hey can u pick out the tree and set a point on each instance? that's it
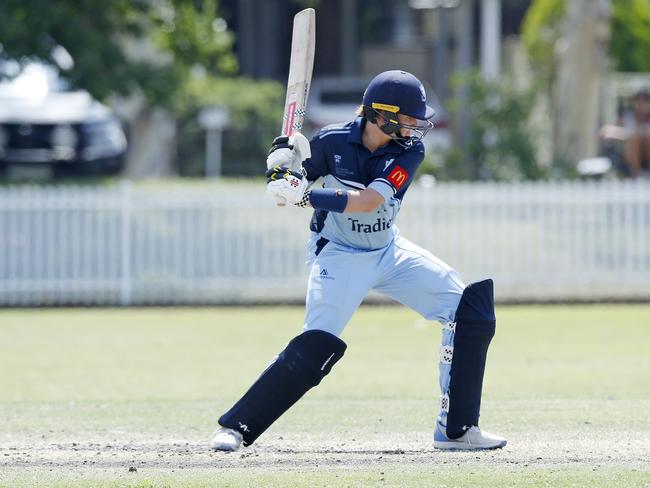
(540, 32)
(630, 34)
(501, 145)
(581, 66)
(119, 46)
(575, 74)
(174, 55)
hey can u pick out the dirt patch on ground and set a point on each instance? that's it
(289, 454)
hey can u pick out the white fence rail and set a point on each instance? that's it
(172, 244)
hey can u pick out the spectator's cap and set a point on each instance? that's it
(642, 94)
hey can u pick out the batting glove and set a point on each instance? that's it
(289, 152)
(281, 153)
(286, 184)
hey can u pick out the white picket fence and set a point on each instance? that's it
(227, 243)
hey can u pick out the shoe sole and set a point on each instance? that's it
(458, 446)
(223, 448)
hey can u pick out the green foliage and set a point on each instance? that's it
(372, 27)
(178, 53)
(445, 166)
(540, 30)
(630, 42)
(630, 34)
(119, 46)
(501, 146)
(309, 3)
(255, 117)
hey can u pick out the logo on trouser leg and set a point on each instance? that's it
(324, 274)
(244, 427)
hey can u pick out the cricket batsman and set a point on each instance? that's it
(366, 167)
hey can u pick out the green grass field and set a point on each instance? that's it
(129, 397)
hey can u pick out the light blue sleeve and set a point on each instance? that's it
(383, 188)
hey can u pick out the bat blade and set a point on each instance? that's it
(301, 66)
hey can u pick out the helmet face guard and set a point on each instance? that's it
(392, 127)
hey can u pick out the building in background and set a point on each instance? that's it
(358, 38)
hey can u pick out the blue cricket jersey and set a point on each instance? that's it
(339, 157)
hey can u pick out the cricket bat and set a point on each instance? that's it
(301, 66)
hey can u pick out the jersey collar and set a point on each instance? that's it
(356, 129)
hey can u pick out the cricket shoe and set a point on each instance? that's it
(226, 439)
(472, 440)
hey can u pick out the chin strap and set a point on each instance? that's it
(405, 142)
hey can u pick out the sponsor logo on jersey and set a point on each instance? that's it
(398, 177)
(341, 170)
(388, 163)
(377, 226)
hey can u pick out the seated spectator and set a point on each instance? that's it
(633, 130)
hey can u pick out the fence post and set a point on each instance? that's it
(125, 201)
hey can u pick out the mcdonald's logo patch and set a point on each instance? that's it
(398, 177)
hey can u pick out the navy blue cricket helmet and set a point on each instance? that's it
(396, 89)
(397, 92)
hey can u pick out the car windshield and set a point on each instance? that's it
(34, 81)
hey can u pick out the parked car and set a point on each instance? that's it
(46, 126)
(335, 100)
